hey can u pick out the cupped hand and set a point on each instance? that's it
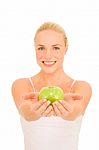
(39, 108)
(64, 108)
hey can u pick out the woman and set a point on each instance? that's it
(51, 126)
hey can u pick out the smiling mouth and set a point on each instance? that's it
(48, 63)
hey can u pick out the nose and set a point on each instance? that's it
(48, 54)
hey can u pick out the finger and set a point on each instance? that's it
(51, 113)
(30, 95)
(56, 110)
(47, 111)
(38, 104)
(66, 105)
(61, 108)
(43, 107)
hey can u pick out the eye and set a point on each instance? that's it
(56, 48)
(41, 48)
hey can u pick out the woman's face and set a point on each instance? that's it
(50, 50)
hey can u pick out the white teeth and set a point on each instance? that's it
(49, 63)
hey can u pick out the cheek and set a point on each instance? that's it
(60, 55)
(39, 56)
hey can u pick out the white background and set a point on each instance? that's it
(18, 23)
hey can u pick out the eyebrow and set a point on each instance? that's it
(40, 45)
(52, 45)
(57, 45)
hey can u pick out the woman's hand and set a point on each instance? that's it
(34, 109)
(69, 108)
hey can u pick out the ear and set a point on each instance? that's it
(66, 48)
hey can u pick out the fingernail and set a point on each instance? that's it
(44, 100)
(56, 102)
(48, 102)
(60, 101)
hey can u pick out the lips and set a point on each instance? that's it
(49, 63)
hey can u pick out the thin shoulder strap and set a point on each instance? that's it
(72, 85)
(32, 84)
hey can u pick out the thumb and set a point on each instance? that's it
(30, 95)
(76, 96)
(73, 96)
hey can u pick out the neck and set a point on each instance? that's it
(55, 78)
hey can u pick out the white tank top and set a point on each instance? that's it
(51, 133)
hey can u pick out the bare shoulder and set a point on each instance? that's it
(83, 86)
(19, 87)
(20, 83)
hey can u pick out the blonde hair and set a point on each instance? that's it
(54, 27)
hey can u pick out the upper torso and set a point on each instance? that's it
(51, 133)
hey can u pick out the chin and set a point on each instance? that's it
(49, 71)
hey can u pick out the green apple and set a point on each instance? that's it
(51, 93)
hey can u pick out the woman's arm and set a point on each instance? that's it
(27, 102)
(75, 103)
